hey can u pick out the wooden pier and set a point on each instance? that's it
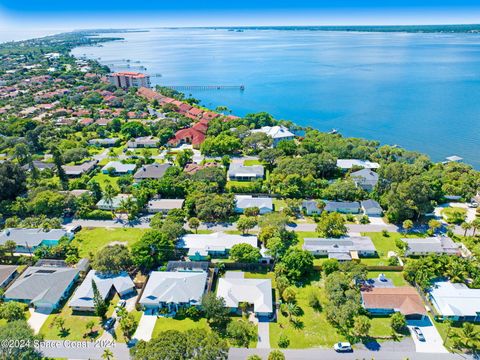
(205, 87)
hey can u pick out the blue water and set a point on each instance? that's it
(421, 91)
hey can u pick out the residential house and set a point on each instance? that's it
(455, 301)
(371, 208)
(277, 133)
(143, 142)
(104, 142)
(39, 165)
(153, 171)
(202, 246)
(79, 170)
(387, 300)
(242, 202)
(7, 274)
(164, 205)
(28, 240)
(366, 179)
(240, 172)
(173, 290)
(118, 168)
(342, 249)
(115, 204)
(107, 285)
(439, 245)
(347, 164)
(192, 168)
(42, 287)
(194, 135)
(344, 207)
(310, 207)
(236, 289)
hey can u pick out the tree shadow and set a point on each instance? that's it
(297, 324)
(63, 332)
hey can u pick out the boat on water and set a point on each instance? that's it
(333, 131)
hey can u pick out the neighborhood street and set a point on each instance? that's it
(82, 349)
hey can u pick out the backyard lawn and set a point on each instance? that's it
(102, 180)
(315, 330)
(90, 240)
(395, 276)
(305, 234)
(75, 324)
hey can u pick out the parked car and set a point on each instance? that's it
(121, 304)
(76, 229)
(418, 333)
(342, 347)
(109, 323)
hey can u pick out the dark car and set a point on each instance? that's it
(109, 323)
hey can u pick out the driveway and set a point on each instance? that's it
(433, 341)
(37, 319)
(263, 335)
(145, 327)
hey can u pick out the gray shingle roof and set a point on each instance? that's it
(370, 205)
(42, 285)
(335, 205)
(152, 171)
(83, 296)
(174, 287)
(435, 245)
(237, 170)
(30, 237)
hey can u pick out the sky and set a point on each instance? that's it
(52, 15)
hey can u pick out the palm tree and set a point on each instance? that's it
(107, 354)
(456, 272)
(467, 338)
(292, 309)
(108, 194)
(475, 225)
(466, 226)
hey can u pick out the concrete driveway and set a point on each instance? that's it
(433, 341)
(145, 327)
(263, 335)
(37, 319)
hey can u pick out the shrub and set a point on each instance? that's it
(283, 341)
(385, 233)
(364, 220)
(393, 261)
(398, 322)
(98, 215)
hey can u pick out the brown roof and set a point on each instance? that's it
(404, 299)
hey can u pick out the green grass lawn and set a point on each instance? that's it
(103, 179)
(279, 204)
(395, 276)
(164, 324)
(316, 330)
(456, 327)
(454, 215)
(75, 324)
(305, 234)
(90, 240)
(252, 162)
(380, 326)
(118, 331)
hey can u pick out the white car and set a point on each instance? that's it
(342, 347)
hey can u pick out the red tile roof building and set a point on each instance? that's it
(127, 79)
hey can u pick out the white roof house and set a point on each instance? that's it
(119, 168)
(235, 288)
(431, 245)
(82, 300)
(344, 248)
(456, 301)
(174, 287)
(164, 205)
(265, 204)
(346, 164)
(277, 133)
(241, 172)
(202, 245)
(115, 203)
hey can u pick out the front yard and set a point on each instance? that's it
(313, 330)
(90, 240)
(75, 326)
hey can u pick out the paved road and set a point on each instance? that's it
(82, 349)
(242, 354)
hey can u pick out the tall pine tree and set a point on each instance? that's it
(101, 306)
(57, 159)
